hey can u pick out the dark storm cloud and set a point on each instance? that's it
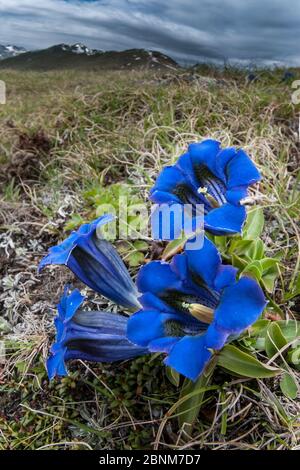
(262, 31)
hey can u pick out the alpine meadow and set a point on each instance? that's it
(75, 140)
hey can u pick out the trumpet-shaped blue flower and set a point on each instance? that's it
(192, 306)
(96, 263)
(215, 178)
(96, 336)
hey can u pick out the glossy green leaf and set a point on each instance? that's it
(189, 409)
(75, 221)
(239, 362)
(248, 250)
(240, 247)
(254, 269)
(274, 306)
(140, 245)
(174, 247)
(293, 357)
(259, 327)
(220, 242)
(277, 407)
(254, 224)
(136, 258)
(268, 263)
(264, 270)
(256, 335)
(173, 376)
(275, 339)
(238, 262)
(289, 386)
(290, 329)
(270, 271)
(257, 249)
(224, 408)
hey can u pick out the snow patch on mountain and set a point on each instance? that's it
(79, 48)
(10, 50)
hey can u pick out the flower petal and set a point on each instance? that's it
(226, 276)
(235, 195)
(150, 301)
(184, 163)
(56, 364)
(96, 263)
(210, 176)
(101, 335)
(225, 220)
(168, 179)
(66, 310)
(222, 159)
(147, 325)
(241, 171)
(93, 335)
(157, 277)
(163, 345)
(167, 220)
(102, 278)
(111, 260)
(205, 153)
(179, 266)
(189, 356)
(204, 262)
(215, 336)
(104, 349)
(60, 253)
(240, 305)
(164, 197)
(69, 304)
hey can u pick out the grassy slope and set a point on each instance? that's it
(63, 133)
(55, 58)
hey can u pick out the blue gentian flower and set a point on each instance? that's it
(96, 336)
(192, 306)
(96, 263)
(213, 177)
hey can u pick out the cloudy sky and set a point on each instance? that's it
(264, 31)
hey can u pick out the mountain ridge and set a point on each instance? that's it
(64, 56)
